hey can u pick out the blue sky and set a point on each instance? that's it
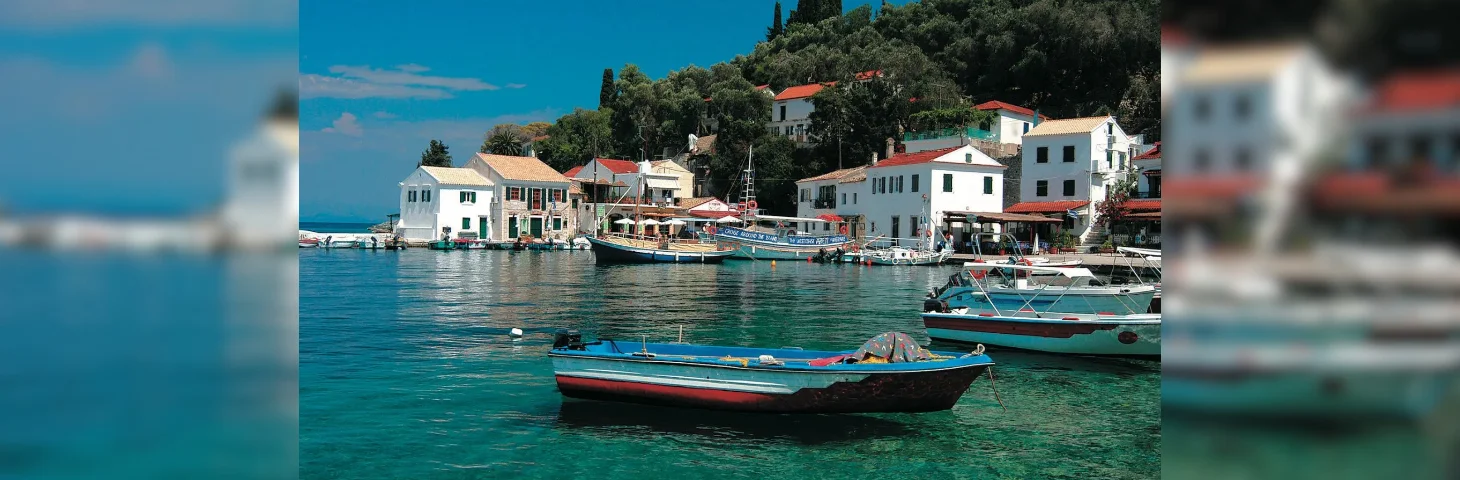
(379, 79)
(130, 107)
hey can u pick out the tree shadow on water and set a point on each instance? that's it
(612, 418)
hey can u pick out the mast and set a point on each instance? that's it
(749, 195)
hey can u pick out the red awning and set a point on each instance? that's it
(1059, 206)
(829, 217)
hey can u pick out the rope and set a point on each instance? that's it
(995, 385)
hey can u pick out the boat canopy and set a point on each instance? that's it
(774, 218)
(1145, 252)
(893, 347)
(1072, 272)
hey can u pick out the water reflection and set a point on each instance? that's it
(616, 419)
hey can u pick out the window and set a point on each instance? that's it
(844, 199)
(411, 196)
(1203, 108)
(947, 182)
(915, 183)
(1110, 128)
(1244, 107)
(557, 194)
(1041, 155)
(536, 198)
(988, 185)
(984, 125)
(514, 193)
(1069, 153)
(1110, 159)
(465, 223)
(854, 198)
(1201, 161)
(825, 226)
(426, 195)
(467, 197)
(1069, 188)
(783, 112)
(800, 128)
(575, 203)
(1026, 127)
(1041, 188)
(557, 223)
(804, 194)
(894, 226)
(899, 183)
(1243, 160)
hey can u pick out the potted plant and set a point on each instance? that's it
(1107, 247)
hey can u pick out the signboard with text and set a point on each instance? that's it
(790, 239)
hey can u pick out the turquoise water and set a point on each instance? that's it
(406, 371)
(336, 227)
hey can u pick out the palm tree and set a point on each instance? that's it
(503, 143)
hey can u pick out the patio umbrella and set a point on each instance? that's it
(675, 222)
(829, 217)
(624, 221)
(649, 221)
(728, 219)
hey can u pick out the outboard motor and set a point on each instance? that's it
(567, 338)
(931, 304)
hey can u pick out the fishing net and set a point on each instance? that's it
(892, 347)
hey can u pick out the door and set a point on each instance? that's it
(512, 228)
(895, 237)
(535, 227)
(482, 232)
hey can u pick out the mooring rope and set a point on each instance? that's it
(996, 389)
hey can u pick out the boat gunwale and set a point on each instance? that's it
(837, 368)
(1155, 318)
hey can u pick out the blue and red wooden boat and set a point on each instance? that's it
(891, 373)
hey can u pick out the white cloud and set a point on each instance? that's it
(346, 125)
(406, 138)
(401, 77)
(70, 14)
(385, 115)
(403, 81)
(320, 86)
(150, 62)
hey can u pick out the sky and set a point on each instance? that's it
(380, 79)
(118, 106)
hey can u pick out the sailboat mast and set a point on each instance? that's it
(749, 184)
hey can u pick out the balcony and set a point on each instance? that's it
(1156, 194)
(970, 132)
(824, 203)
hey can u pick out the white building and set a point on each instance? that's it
(1148, 166)
(1007, 127)
(1410, 117)
(262, 209)
(1258, 112)
(1067, 166)
(791, 108)
(905, 195)
(531, 198)
(437, 201)
(646, 184)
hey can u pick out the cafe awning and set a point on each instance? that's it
(997, 217)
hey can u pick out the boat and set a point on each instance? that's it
(444, 244)
(580, 243)
(309, 243)
(890, 373)
(777, 242)
(1035, 261)
(470, 244)
(1128, 336)
(332, 243)
(907, 256)
(395, 244)
(618, 248)
(1151, 262)
(999, 287)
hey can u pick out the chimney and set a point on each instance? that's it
(874, 159)
(890, 144)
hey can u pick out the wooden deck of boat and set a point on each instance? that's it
(678, 245)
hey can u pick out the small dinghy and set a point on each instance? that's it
(890, 373)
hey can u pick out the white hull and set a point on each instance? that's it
(1132, 336)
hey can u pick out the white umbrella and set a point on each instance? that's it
(676, 222)
(728, 219)
(649, 221)
(623, 221)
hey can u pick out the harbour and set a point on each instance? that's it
(407, 365)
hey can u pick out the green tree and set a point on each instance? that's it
(775, 29)
(504, 139)
(1113, 209)
(606, 91)
(535, 129)
(634, 118)
(435, 155)
(575, 138)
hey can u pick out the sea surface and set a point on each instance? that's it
(336, 227)
(406, 371)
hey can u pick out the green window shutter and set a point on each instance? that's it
(988, 185)
(465, 223)
(947, 182)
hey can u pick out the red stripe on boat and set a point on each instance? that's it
(1028, 329)
(636, 389)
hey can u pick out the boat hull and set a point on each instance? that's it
(609, 252)
(441, 245)
(1107, 337)
(749, 245)
(747, 388)
(935, 259)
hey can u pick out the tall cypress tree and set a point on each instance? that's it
(606, 92)
(776, 29)
(436, 155)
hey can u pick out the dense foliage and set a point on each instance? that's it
(435, 155)
(936, 59)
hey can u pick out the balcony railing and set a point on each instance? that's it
(970, 132)
(824, 203)
(1156, 194)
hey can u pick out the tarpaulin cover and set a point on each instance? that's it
(895, 347)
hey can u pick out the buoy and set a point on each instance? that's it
(773, 263)
(808, 259)
(515, 333)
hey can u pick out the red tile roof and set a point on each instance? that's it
(1191, 188)
(618, 166)
(1150, 154)
(1143, 204)
(1419, 90)
(997, 105)
(763, 87)
(1057, 206)
(919, 157)
(801, 91)
(867, 75)
(573, 171)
